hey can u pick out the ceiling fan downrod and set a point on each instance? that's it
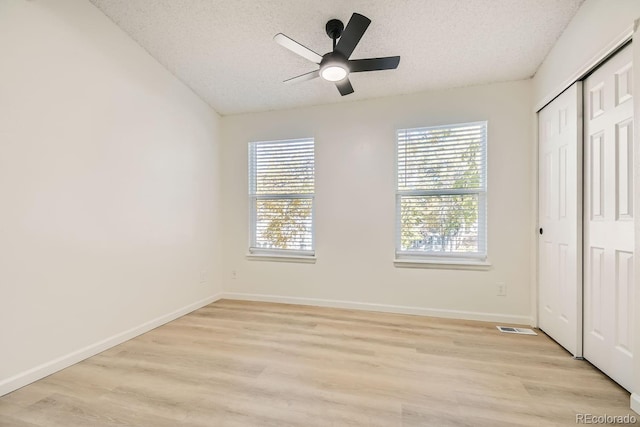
(334, 30)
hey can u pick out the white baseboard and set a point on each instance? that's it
(635, 402)
(399, 309)
(15, 382)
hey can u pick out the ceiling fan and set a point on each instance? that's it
(335, 66)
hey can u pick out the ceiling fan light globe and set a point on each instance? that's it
(333, 73)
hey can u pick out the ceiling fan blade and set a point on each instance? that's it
(374, 64)
(302, 77)
(297, 48)
(344, 86)
(352, 34)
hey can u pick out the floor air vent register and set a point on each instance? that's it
(521, 331)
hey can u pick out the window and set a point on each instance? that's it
(441, 192)
(281, 193)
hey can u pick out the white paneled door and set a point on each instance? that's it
(560, 219)
(608, 219)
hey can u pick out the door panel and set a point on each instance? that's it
(560, 218)
(608, 230)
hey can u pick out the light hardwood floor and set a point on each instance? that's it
(236, 363)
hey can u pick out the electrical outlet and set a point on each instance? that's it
(501, 289)
(234, 275)
(203, 276)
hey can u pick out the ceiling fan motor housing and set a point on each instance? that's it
(333, 58)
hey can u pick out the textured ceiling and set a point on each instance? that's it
(224, 49)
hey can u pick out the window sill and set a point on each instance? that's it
(443, 264)
(301, 259)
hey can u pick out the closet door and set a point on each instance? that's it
(608, 231)
(560, 219)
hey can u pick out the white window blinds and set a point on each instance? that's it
(441, 191)
(281, 193)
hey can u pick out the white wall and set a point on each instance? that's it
(355, 205)
(109, 188)
(598, 27)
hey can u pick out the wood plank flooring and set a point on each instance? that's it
(237, 363)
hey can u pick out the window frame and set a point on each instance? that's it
(415, 258)
(277, 254)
